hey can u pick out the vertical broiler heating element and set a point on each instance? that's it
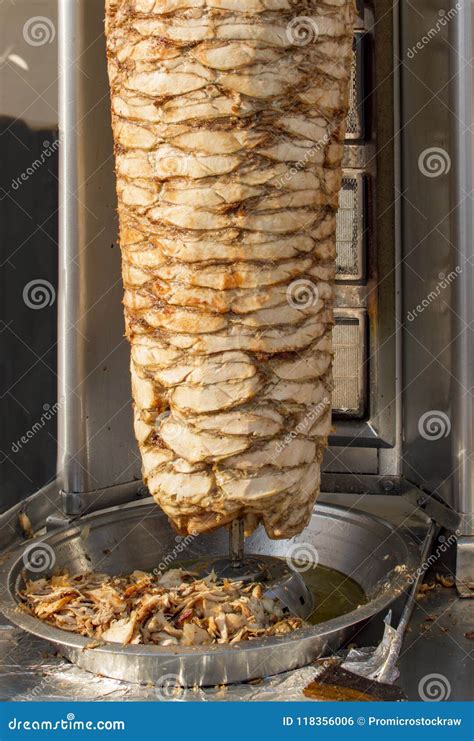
(228, 120)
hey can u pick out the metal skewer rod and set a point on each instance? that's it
(236, 542)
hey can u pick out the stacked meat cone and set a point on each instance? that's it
(228, 120)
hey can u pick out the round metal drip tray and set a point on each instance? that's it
(138, 536)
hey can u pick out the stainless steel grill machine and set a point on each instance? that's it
(404, 364)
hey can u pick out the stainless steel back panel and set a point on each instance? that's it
(366, 404)
(96, 443)
(438, 311)
(462, 444)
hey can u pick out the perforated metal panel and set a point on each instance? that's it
(350, 229)
(355, 118)
(349, 334)
(349, 342)
(366, 397)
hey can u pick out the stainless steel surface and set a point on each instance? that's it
(423, 234)
(465, 566)
(236, 541)
(118, 540)
(375, 421)
(278, 579)
(463, 350)
(435, 508)
(437, 217)
(76, 503)
(97, 448)
(289, 587)
(358, 460)
(38, 507)
(383, 268)
(430, 246)
(30, 670)
(399, 634)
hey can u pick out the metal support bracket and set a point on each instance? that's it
(433, 506)
(79, 503)
(439, 512)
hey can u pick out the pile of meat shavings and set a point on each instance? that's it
(172, 609)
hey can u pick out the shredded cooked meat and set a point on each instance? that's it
(172, 609)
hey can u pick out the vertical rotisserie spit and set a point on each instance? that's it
(228, 119)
